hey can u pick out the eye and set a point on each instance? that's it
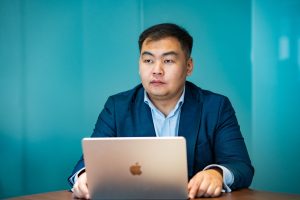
(169, 61)
(148, 61)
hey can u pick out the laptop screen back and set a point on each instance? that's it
(139, 167)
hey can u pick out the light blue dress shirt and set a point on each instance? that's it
(167, 126)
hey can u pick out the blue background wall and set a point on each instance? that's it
(60, 60)
(276, 94)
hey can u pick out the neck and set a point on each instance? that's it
(165, 105)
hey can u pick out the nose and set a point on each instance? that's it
(158, 69)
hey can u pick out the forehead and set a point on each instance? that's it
(164, 44)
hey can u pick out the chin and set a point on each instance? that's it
(158, 95)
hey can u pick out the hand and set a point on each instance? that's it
(207, 183)
(80, 189)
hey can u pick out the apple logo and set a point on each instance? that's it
(135, 169)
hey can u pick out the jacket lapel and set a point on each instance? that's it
(143, 118)
(190, 122)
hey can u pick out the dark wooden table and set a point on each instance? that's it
(245, 194)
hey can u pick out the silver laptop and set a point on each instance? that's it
(136, 167)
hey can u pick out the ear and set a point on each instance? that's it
(190, 66)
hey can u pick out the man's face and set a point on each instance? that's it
(163, 68)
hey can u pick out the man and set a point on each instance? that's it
(165, 104)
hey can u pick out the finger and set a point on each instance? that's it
(217, 192)
(203, 188)
(210, 191)
(74, 196)
(194, 184)
(193, 189)
(77, 192)
(83, 189)
(80, 188)
(190, 184)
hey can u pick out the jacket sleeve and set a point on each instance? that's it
(229, 147)
(106, 123)
(105, 127)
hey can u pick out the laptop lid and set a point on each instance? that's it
(136, 167)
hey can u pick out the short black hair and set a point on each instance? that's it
(164, 30)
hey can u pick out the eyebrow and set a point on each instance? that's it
(164, 54)
(172, 53)
(147, 53)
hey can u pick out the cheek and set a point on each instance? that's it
(144, 70)
(143, 73)
(178, 73)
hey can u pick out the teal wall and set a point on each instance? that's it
(60, 60)
(276, 95)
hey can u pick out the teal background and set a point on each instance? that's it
(60, 60)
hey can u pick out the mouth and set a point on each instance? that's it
(157, 82)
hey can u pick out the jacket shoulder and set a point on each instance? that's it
(204, 95)
(128, 96)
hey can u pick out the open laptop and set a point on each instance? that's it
(136, 167)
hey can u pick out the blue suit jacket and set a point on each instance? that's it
(207, 122)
